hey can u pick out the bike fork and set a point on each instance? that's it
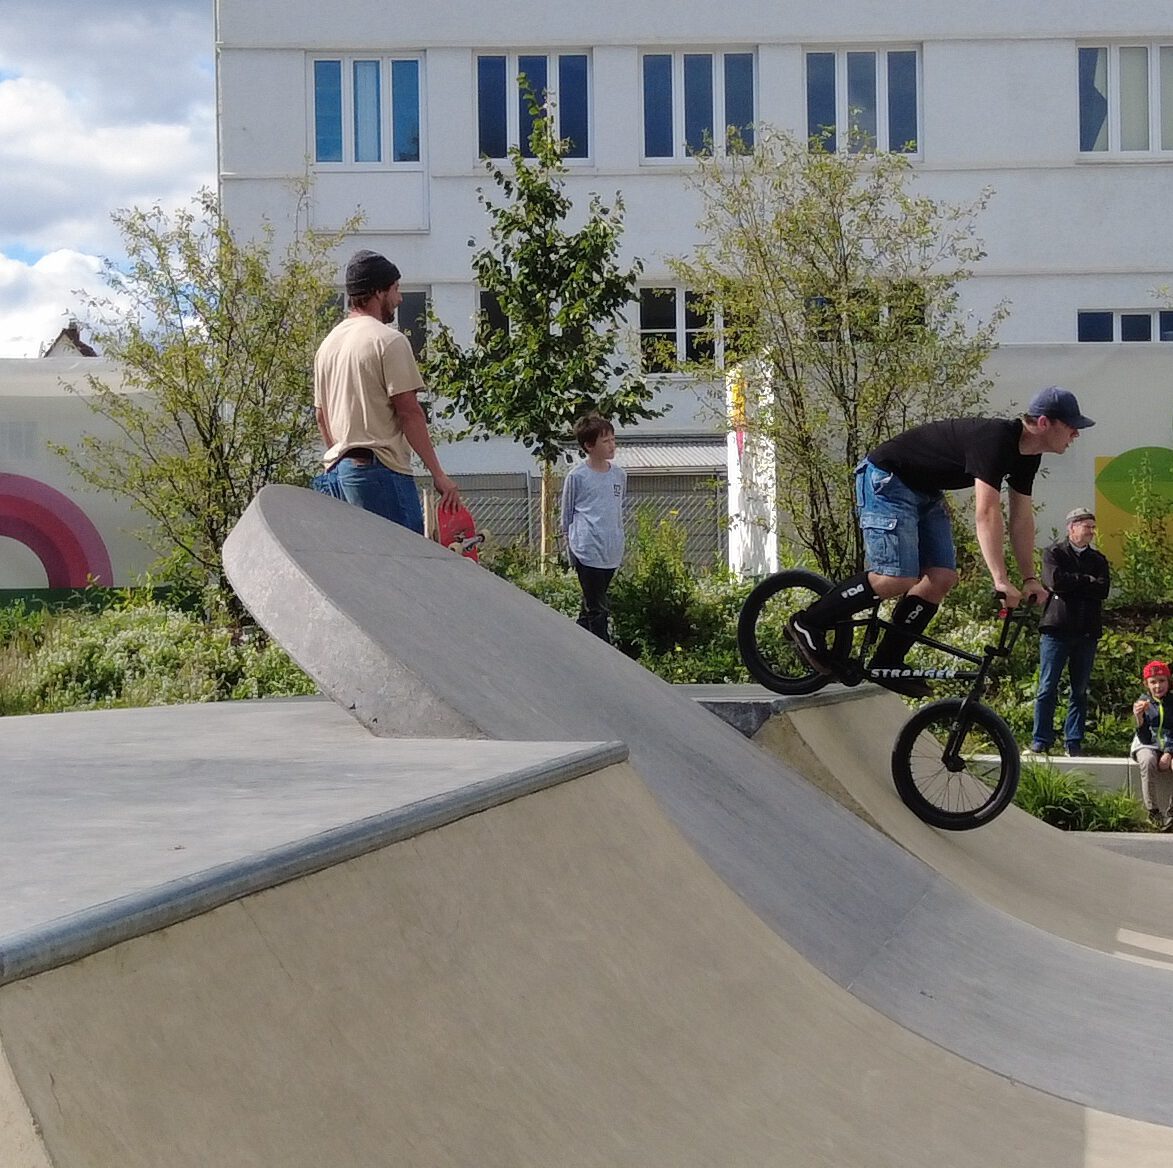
(951, 757)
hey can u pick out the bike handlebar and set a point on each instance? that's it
(1007, 638)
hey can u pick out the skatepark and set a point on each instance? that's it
(502, 897)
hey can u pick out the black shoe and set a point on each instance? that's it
(908, 687)
(1075, 750)
(811, 644)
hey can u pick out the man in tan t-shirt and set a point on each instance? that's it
(365, 386)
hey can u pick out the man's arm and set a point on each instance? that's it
(323, 426)
(1067, 577)
(1099, 581)
(1022, 542)
(567, 510)
(415, 429)
(991, 533)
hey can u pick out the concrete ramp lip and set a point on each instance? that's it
(368, 609)
(259, 794)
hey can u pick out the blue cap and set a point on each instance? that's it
(1059, 404)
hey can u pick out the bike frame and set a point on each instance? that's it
(1011, 624)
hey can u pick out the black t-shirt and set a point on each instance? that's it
(950, 455)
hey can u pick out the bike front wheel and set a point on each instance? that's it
(968, 788)
(766, 647)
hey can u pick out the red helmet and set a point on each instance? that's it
(1155, 669)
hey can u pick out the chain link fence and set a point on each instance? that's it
(507, 508)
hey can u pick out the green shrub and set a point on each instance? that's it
(652, 595)
(680, 625)
(1068, 800)
(21, 626)
(136, 654)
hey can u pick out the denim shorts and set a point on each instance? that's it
(368, 484)
(904, 531)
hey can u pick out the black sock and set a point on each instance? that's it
(910, 616)
(842, 603)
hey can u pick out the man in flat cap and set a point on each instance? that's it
(908, 537)
(365, 386)
(1078, 577)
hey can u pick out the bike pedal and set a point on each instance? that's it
(849, 673)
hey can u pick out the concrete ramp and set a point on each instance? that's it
(555, 980)
(1018, 864)
(415, 640)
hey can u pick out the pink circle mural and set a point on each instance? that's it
(57, 531)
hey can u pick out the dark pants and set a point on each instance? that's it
(1078, 654)
(595, 612)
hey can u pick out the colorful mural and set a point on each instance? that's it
(56, 530)
(1115, 479)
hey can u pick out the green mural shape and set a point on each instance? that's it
(1115, 480)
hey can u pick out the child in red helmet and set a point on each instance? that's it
(1153, 745)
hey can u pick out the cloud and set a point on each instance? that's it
(102, 106)
(38, 300)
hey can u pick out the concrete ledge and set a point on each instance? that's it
(1107, 773)
(34, 950)
(747, 708)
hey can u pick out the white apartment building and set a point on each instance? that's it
(1063, 107)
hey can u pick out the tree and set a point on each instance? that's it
(836, 289)
(215, 340)
(550, 356)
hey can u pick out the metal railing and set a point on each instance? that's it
(506, 507)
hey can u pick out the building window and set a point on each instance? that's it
(560, 80)
(859, 99)
(693, 100)
(411, 318)
(1125, 98)
(493, 318)
(1105, 327)
(673, 328)
(869, 315)
(360, 103)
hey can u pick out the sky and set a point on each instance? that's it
(104, 105)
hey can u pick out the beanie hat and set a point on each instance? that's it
(1155, 669)
(369, 272)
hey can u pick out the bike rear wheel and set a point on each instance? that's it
(980, 783)
(766, 647)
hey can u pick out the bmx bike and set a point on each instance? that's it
(955, 762)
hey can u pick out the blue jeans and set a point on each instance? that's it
(904, 531)
(1078, 654)
(368, 484)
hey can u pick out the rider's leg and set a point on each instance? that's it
(888, 520)
(937, 561)
(912, 615)
(809, 629)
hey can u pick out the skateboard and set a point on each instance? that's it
(457, 532)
